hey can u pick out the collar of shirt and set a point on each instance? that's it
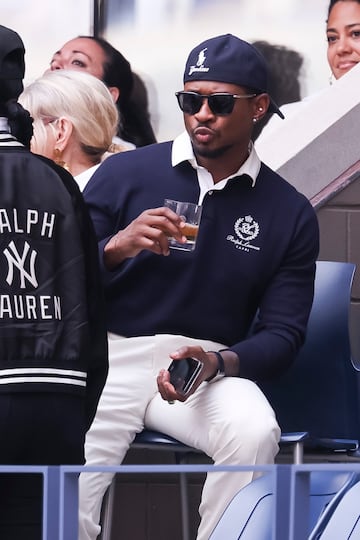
(182, 151)
(83, 177)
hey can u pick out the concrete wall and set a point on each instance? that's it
(317, 150)
(317, 141)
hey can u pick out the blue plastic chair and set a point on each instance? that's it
(250, 514)
(319, 393)
(343, 523)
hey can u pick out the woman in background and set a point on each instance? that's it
(75, 120)
(343, 36)
(343, 52)
(98, 57)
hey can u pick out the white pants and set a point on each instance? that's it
(230, 420)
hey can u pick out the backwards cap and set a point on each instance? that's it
(229, 59)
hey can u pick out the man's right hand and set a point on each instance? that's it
(150, 230)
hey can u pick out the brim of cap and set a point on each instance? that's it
(273, 108)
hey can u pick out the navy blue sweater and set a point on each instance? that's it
(255, 253)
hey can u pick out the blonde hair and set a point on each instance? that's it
(81, 98)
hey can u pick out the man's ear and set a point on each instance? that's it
(261, 105)
(115, 92)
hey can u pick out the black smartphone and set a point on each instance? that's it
(183, 373)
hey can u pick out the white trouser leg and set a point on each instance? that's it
(233, 423)
(130, 384)
(134, 364)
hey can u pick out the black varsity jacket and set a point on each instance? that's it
(52, 331)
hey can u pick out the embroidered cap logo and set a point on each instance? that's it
(199, 67)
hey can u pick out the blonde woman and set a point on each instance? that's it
(75, 119)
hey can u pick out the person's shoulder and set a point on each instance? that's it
(61, 179)
(269, 174)
(280, 186)
(128, 168)
(157, 147)
(40, 163)
(266, 173)
(59, 171)
(138, 155)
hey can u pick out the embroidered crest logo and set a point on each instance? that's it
(199, 66)
(246, 229)
(17, 260)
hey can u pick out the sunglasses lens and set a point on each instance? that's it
(189, 103)
(221, 104)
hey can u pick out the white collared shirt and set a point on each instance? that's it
(83, 177)
(182, 151)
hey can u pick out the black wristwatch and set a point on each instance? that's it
(220, 373)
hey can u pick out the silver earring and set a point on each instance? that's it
(261, 109)
(255, 120)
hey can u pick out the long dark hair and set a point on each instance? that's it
(135, 125)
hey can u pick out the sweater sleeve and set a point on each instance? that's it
(280, 324)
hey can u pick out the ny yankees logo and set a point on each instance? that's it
(16, 260)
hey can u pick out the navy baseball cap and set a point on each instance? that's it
(229, 59)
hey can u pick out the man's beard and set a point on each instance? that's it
(211, 154)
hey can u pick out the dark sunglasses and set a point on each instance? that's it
(220, 104)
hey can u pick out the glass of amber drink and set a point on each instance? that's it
(191, 214)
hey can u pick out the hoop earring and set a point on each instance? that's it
(58, 159)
